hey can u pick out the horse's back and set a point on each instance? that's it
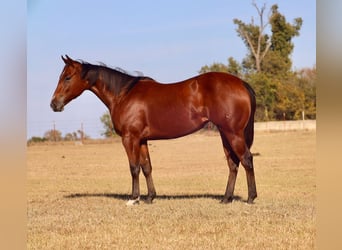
(213, 90)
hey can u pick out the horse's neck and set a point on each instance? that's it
(111, 93)
(104, 94)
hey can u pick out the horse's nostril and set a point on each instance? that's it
(52, 105)
(56, 106)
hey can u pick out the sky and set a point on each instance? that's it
(166, 40)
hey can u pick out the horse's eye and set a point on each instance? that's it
(67, 78)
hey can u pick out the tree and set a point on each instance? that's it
(306, 80)
(36, 139)
(289, 100)
(269, 54)
(70, 137)
(233, 67)
(281, 41)
(83, 135)
(254, 38)
(267, 67)
(53, 135)
(215, 67)
(107, 125)
(74, 136)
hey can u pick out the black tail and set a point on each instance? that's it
(249, 130)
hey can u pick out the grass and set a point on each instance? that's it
(77, 195)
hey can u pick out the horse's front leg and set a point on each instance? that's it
(132, 147)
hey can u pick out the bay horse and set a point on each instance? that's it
(142, 109)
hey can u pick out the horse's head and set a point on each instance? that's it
(70, 85)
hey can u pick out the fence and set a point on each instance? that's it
(285, 125)
(94, 128)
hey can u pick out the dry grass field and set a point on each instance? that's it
(77, 194)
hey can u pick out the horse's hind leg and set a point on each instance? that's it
(238, 145)
(145, 163)
(233, 164)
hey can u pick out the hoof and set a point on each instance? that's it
(149, 201)
(133, 202)
(227, 200)
(150, 197)
(251, 200)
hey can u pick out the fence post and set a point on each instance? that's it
(82, 132)
(54, 131)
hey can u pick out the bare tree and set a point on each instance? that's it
(254, 37)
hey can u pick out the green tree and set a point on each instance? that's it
(306, 81)
(268, 53)
(289, 100)
(233, 67)
(107, 125)
(265, 89)
(281, 42)
(215, 67)
(267, 67)
(36, 139)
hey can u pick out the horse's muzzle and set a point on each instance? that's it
(56, 106)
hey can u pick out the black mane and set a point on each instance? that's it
(117, 80)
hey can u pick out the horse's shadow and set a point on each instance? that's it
(159, 197)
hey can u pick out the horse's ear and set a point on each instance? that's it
(67, 59)
(64, 60)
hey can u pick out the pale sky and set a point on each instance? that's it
(166, 40)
